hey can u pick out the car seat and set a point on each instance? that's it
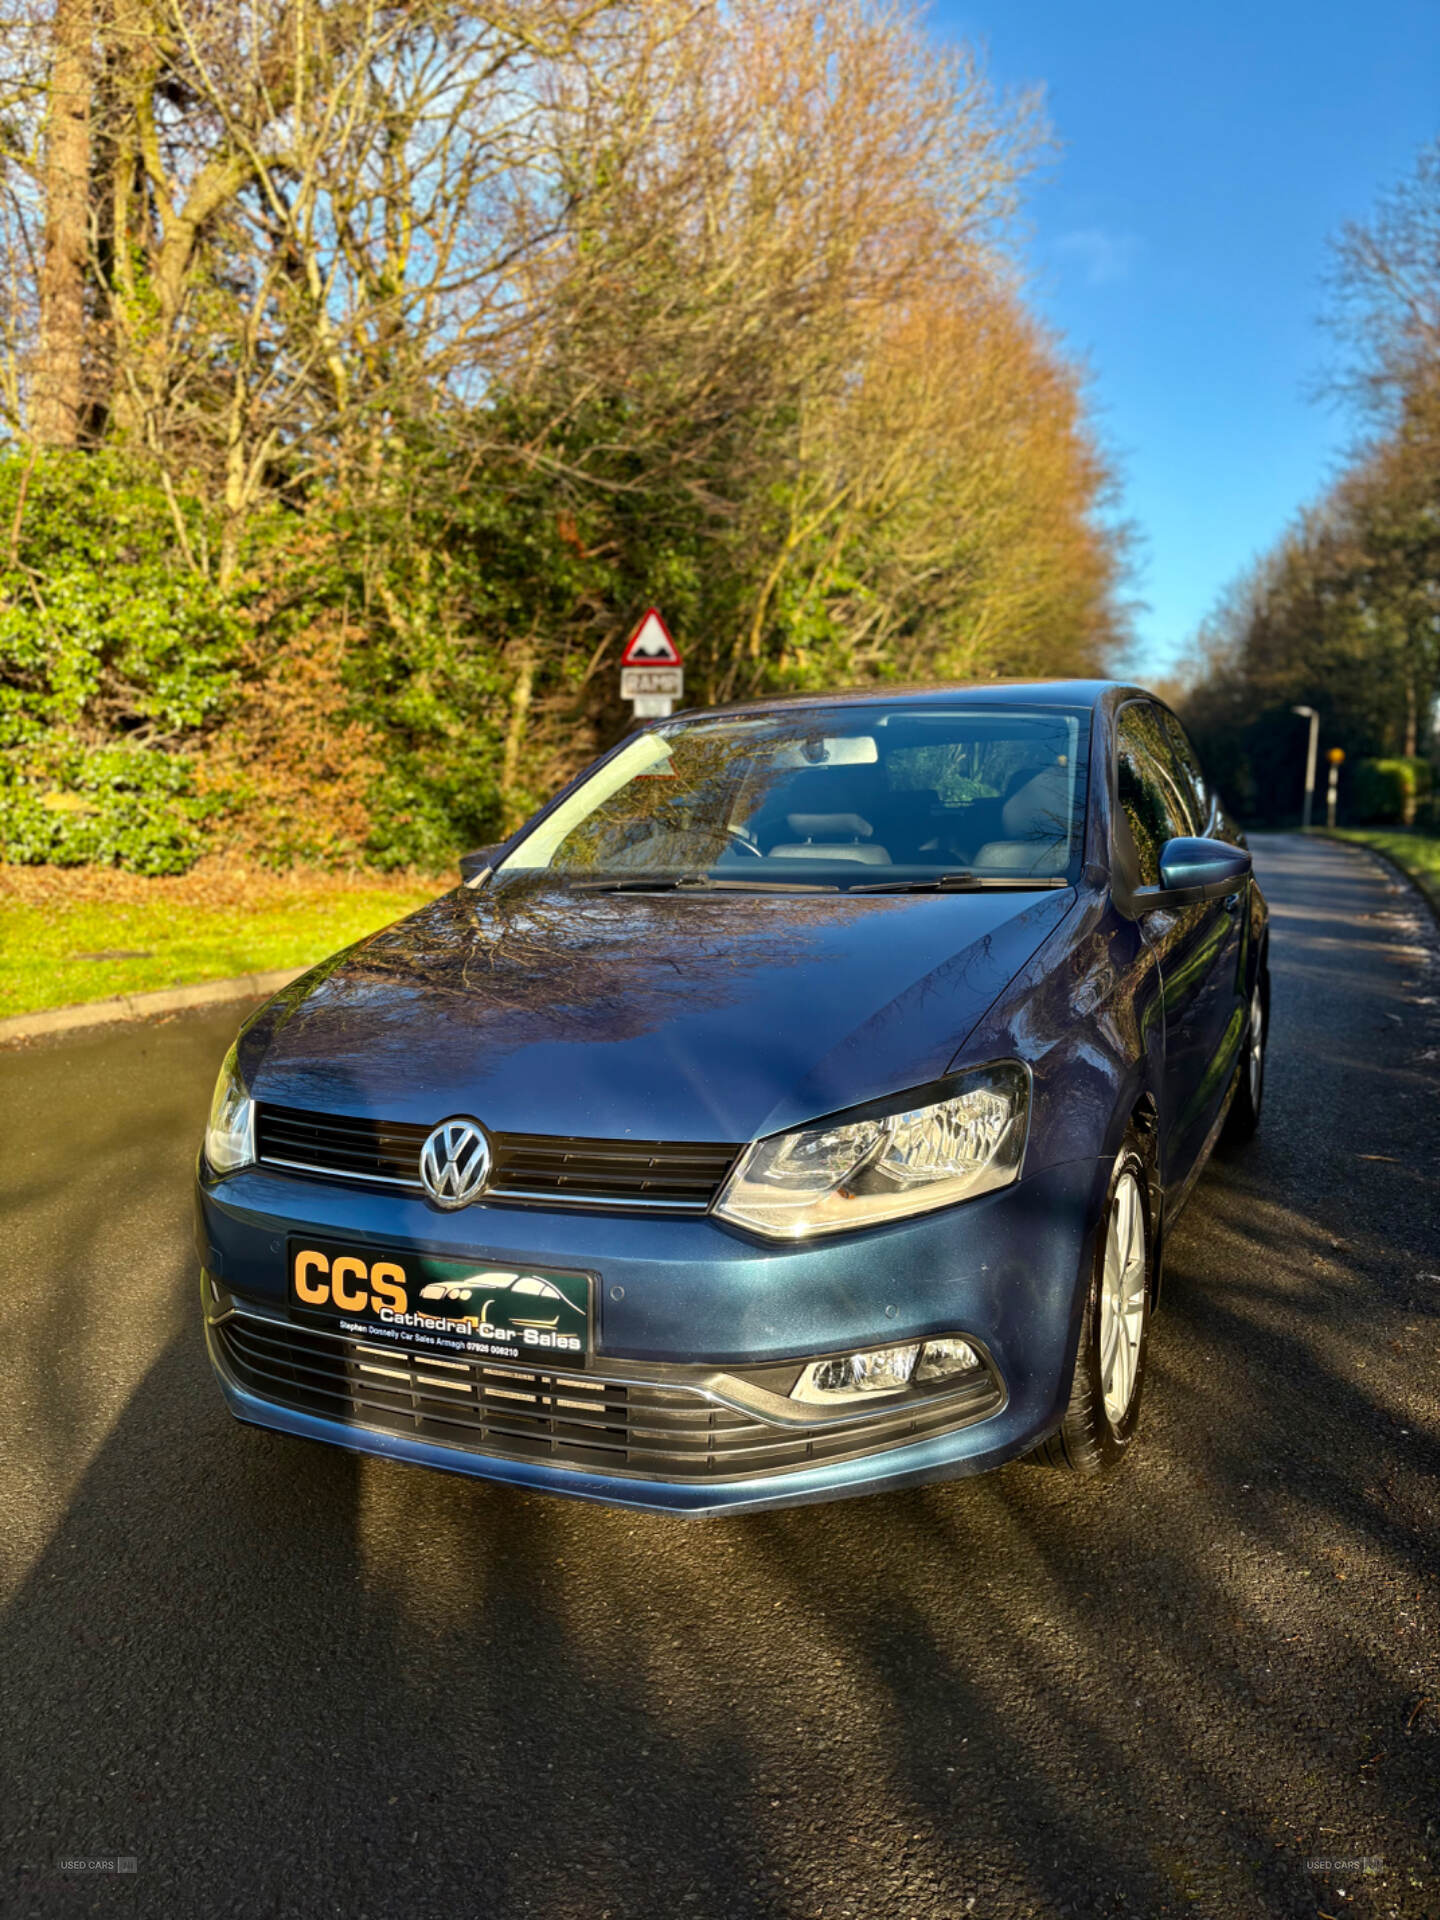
(1036, 823)
(831, 836)
(825, 813)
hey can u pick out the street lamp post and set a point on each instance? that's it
(1309, 713)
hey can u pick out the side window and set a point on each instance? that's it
(1188, 769)
(1146, 788)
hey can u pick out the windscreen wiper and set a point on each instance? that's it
(697, 883)
(961, 883)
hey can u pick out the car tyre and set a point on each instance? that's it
(1244, 1116)
(1108, 1383)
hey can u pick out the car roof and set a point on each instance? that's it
(997, 693)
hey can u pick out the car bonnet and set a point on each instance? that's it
(685, 1016)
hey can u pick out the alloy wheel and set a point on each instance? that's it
(1256, 1064)
(1122, 1298)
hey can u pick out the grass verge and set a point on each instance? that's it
(1417, 854)
(84, 933)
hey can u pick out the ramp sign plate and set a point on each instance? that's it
(651, 676)
(650, 645)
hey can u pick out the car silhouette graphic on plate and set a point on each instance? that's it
(484, 1287)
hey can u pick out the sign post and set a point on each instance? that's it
(652, 677)
(1336, 755)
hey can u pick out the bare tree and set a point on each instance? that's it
(1386, 292)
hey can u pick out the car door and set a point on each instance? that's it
(1217, 826)
(1198, 947)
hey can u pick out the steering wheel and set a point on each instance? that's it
(743, 838)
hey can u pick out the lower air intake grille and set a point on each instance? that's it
(581, 1420)
(680, 1176)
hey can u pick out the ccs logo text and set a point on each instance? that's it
(349, 1283)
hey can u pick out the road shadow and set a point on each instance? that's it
(291, 1681)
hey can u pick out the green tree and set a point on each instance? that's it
(1344, 614)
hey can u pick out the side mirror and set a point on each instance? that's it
(472, 865)
(1192, 870)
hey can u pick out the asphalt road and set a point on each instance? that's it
(291, 1682)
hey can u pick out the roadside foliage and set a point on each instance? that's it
(366, 371)
(1343, 614)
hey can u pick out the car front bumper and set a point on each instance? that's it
(685, 1309)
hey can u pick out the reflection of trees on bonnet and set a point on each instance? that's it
(531, 959)
(734, 843)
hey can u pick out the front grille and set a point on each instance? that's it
(582, 1420)
(680, 1176)
(384, 1151)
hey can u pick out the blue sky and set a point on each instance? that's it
(1179, 244)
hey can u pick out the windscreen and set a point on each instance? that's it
(838, 797)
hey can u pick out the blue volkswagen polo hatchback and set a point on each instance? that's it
(794, 1107)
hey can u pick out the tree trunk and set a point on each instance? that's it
(58, 394)
(512, 809)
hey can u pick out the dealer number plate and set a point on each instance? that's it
(528, 1316)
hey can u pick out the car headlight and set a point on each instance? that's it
(230, 1134)
(884, 1164)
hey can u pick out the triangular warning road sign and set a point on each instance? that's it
(650, 645)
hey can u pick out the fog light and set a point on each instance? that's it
(877, 1370)
(827, 1376)
(941, 1358)
(883, 1369)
